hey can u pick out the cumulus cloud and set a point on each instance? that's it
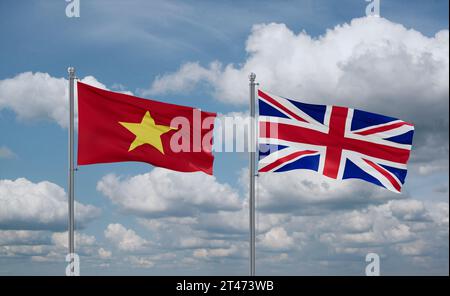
(214, 253)
(167, 193)
(390, 227)
(124, 239)
(236, 223)
(304, 220)
(407, 230)
(350, 62)
(277, 239)
(25, 205)
(140, 262)
(187, 236)
(43, 246)
(175, 208)
(23, 237)
(60, 239)
(415, 248)
(104, 254)
(322, 220)
(336, 242)
(308, 193)
(185, 79)
(40, 96)
(370, 63)
(35, 95)
(439, 212)
(409, 210)
(24, 250)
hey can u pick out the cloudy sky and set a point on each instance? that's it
(136, 219)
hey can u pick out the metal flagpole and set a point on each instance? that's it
(71, 72)
(252, 149)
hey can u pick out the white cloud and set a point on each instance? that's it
(163, 259)
(409, 210)
(439, 212)
(124, 239)
(24, 250)
(140, 262)
(382, 227)
(237, 223)
(350, 61)
(381, 235)
(318, 220)
(214, 253)
(371, 64)
(27, 205)
(311, 219)
(61, 240)
(355, 221)
(167, 193)
(39, 96)
(43, 246)
(35, 95)
(104, 254)
(6, 153)
(277, 239)
(307, 192)
(23, 237)
(162, 224)
(415, 248)
(191, 242)
(185, 79)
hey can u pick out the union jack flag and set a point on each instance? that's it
(338, 142)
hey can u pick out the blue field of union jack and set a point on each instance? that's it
(338, 142)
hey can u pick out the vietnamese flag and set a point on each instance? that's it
(115, 127)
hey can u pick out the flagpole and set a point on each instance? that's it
(252, 150)
(71, 199)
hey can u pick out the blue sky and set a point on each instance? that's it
(134, 45)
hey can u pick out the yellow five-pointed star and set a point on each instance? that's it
(146, 132)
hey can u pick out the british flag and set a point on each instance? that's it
(338, 142)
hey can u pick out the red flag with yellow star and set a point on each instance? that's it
(115, 127)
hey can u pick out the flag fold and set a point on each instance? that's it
(115, 127)
(338, 142)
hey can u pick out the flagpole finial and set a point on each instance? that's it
(71, 70)
(252, 77)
